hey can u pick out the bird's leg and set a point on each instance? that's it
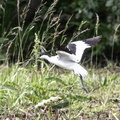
(81, 78)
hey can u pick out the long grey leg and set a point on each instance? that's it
(83, 84)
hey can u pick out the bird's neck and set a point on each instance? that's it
(52, 59)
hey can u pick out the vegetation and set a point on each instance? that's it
(42, 95)
(31, 91)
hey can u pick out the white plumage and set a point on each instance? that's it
(69, 60)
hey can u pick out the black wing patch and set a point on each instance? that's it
(92, 41)
(72, 48)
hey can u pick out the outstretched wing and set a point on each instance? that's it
(77, 48)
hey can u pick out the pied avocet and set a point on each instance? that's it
(69, 60)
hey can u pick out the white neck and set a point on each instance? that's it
(52, 59)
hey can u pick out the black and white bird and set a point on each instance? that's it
(70, 60)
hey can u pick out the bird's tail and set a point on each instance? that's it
(79, 70)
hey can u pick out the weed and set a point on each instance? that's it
(26, 92)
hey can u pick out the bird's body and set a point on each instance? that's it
(69, 60)
(66, 64)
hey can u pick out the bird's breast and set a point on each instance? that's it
(65, 64)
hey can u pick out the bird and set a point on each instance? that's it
(70, 57)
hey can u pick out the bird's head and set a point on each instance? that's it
(44, 57)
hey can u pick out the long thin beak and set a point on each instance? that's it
(32, 60)
(81, 78)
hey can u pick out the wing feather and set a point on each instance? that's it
(77, 48)
(66, 56)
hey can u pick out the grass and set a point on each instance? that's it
(55, 95)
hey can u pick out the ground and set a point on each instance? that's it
(55, 94)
